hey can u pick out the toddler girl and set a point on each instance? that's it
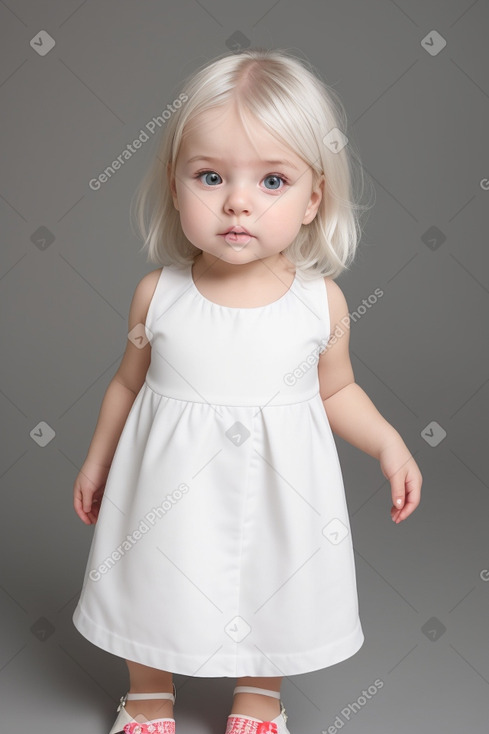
(222, 544)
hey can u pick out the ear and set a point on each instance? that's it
(171, 182)
(314, 201)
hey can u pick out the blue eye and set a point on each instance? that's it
(276, 178)
(211, 178)
(209, 173)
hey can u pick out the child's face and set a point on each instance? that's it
(239, 188)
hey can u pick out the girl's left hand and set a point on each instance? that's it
(399, 467)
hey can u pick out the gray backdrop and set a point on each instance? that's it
(414, 80)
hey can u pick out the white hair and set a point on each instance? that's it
(287, 96)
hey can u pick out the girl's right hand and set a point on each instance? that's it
(88, 491)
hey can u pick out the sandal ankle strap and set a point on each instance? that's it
(142, 696)
(252, 689)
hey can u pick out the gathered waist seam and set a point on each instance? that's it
(232, 405)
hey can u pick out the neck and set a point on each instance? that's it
(215, 267)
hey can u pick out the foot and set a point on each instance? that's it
(260, 706)
(147, 709)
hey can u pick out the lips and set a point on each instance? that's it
(237, 230)
(237, 237)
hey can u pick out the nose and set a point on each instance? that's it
(238, 200)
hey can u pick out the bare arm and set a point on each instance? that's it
(117, 403)
(127, 381)
(354, 417)
(351, 413)
(118, 400)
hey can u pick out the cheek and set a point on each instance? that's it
(183, 203)
(192, 216)
(189, 203)
(187, 222)
(289, 212)
(287, 218)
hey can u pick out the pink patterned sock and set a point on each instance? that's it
(242, 725)
(155, 726)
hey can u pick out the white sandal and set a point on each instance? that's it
(242, 724)
(125, 724)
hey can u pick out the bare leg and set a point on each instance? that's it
(257, 705)
(149, 680)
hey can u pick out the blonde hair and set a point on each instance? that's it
(286, 95)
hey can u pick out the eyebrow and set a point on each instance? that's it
(209, 159)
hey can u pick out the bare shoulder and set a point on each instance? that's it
(141, 299)
(334, 368)
(338, 307)
(135, 361)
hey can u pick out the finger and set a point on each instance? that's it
(398, 491)
(94, 513)
(81, 512)
(88, 502)
(77, 504)
(400, 515)
(397, 516)
(84, 517)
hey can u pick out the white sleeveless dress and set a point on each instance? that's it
(223, 544)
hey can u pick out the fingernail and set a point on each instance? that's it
(399, 501)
